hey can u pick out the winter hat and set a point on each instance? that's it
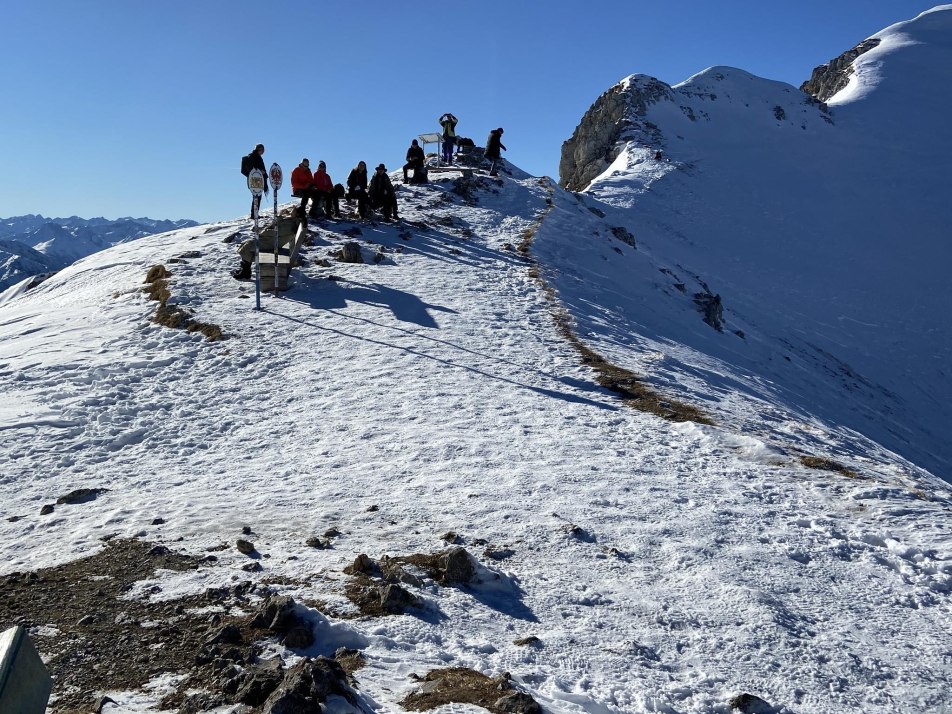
(382, 167)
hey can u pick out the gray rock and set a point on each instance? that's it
(830, 78)
(457, 567)
(750, 704)
(518, 702)
(277, 614)
(81, 495)
(245, 547)
(47, 509)
(306, 686)
(350, 253)
(396, 599)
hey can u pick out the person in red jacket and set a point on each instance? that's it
(301, 180)
(324, 191)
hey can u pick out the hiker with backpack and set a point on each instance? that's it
(415, 161)
(287, 230)
(382, 194)
(493, 145)
(357, 188)
(448, 123)
(248, 164)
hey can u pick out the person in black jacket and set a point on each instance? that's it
(415, 160)
(258, 163)
(382, 194)
(357, 188)
(493, 145)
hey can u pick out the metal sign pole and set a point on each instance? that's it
(256, 186)
(276, 180)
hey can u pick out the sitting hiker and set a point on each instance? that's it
(382, 195)
(357, 188)
(324, 191)
(414, 161)
(287, 229)
(301, 180)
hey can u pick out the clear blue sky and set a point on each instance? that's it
(143, 108)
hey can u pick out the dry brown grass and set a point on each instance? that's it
(157, 288)
(823, 464)
(634, 392)
(466, 686)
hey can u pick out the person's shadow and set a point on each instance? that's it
(322, 294)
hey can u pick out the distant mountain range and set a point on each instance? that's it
(34, 245)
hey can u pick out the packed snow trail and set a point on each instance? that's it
(663, 567)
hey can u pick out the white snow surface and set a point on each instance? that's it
(825, 232)
(664, 567)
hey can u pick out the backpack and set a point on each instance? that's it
(246, 164)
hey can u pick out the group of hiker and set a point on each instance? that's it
(374, 192)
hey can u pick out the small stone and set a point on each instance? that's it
(750, 704)
(457, 567)
(450, 537)
(299, 637)
(158, 521)
(314, 542)
(245, 547)
(159, 550)
(374, 508)
(246, 530)
(395, 599)
(517, 702)
(332, 533)
(362, 564)
(81, 495)
(531, 640)
(228, 635)
(46, 510)
(253, 567)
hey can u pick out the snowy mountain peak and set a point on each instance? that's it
(822, 229)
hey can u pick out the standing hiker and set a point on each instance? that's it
(448, 122)
(493, 145)
(254, 161)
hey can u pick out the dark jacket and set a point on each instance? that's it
(415, 155)
(380, 187)
(357, 179)
(258, 163)
(494, 144)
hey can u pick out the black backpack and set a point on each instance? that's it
(246, 165)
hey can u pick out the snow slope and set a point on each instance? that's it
(825, 232)
(664, 567)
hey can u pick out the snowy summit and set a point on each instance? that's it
(671, 438)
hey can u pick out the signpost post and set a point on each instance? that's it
(276, 179)
(256, 186)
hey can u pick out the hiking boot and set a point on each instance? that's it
(242, 273)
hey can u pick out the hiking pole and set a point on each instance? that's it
(256, 186)
(276, 180)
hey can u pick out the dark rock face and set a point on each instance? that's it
(830, 78)
(615, 117)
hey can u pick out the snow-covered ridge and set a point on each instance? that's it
(822, 229)
(432, 383)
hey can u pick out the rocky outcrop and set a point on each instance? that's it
(830, 78)
(616, 117)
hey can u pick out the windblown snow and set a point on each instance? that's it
(663, 567)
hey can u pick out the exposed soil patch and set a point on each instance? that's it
(466, 686)
(94, 641)
(817, 462)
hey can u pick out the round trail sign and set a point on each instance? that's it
(256, 182)
(276, 176)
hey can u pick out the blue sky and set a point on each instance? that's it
(127, 107)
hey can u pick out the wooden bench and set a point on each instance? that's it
(269, 274)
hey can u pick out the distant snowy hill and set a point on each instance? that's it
(33, 244)
(824, 228)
